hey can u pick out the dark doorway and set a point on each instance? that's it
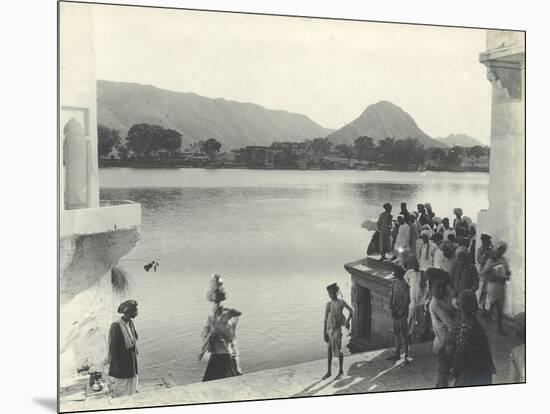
(364, 317)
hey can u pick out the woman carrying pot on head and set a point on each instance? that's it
(219, 335)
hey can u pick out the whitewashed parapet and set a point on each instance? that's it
(112, 216)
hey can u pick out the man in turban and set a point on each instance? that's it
(399, 308)
(123, 367)
(425, 250)
(460, 226)
(484, 252)
(384, 226)
(422, 215)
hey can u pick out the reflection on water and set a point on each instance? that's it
(277, 237)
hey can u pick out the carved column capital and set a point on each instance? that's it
(506, 75)
(504, 69)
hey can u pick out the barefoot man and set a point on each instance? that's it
(332, 327)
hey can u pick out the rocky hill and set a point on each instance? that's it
(383, 120)
(121, 105)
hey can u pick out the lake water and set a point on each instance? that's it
(277, 237)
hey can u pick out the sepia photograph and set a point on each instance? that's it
(260, 206)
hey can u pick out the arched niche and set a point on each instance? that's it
(75, 161)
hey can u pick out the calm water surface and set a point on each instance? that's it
(277, 237)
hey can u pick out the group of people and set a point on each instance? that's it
(434, 243)
(442, 281)
(411, 231)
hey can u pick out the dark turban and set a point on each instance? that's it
(433, 274)
(485, 237)
(127, 306)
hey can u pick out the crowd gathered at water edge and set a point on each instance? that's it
(441, 282)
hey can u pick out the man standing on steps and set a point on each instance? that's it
(384, 230)
(123, 351)
(332, 328)
(399, 307)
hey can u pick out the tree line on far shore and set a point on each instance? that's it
(392, 151)
(406, 152)
(147, 141)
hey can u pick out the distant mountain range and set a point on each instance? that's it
(460, 140)
(121, 105)
(382, 120)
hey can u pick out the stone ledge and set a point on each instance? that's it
(364, 373)
(113, 216)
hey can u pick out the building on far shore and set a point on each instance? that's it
(293, 155)
(473, 163)
(505, 217)
(258, 156)
(93, 234)
(467, 160)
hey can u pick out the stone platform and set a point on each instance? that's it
(364, 372)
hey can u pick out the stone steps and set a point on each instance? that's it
(364, 372)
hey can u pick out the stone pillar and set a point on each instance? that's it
(75, 161)
(77, 98)
(505, 217)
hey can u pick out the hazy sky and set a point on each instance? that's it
(328, 70)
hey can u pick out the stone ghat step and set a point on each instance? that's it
(364, 372)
